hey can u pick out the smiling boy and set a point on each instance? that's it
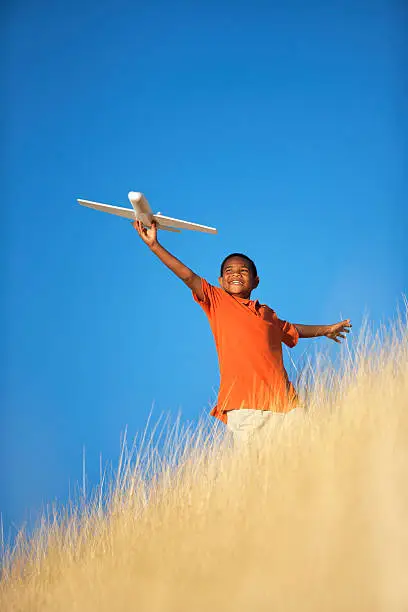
(254, 385)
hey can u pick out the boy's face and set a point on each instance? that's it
(237, 277)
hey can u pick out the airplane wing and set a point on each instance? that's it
(169, 229)
(128, 213)
(170, 222)
(163, 223)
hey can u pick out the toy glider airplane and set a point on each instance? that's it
(142, 211)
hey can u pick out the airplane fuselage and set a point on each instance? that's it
(141, 207)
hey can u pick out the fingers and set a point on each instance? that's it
(148, 235)
(336, 337)
(139, 227)
(343, 327)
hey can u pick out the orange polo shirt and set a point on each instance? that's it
(248, 337)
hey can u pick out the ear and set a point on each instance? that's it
(255, 283)
(220, 281)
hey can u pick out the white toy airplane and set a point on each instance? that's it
(142, 211)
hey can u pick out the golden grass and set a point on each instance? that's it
(314, 518)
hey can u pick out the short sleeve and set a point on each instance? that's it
(211, 296)
(290, 334)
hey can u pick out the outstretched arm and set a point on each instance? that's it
(149, 237)
(335, 331)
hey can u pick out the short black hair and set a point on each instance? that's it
(252, 266)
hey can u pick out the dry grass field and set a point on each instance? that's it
(312, 518)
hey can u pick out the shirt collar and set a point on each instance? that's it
(248, 302)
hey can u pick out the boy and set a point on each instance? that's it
(254, 385)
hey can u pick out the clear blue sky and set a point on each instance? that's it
(282, 124)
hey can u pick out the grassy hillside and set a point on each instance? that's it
(314, 518)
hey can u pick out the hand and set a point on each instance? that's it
(149, 236)
(339, 330)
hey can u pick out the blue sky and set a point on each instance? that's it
(282, 124)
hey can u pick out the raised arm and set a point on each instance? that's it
(335, 331)
(149, 237)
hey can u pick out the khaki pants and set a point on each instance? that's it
(246, 423)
